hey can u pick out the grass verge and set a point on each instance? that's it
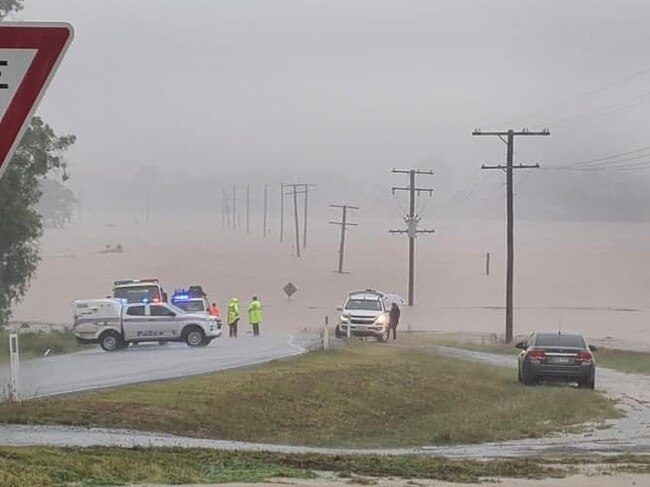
(61, 467)
(622, 360)
(364, 396)
(34, 344)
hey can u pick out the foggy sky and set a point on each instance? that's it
(338, 92)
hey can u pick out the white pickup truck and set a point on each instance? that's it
(114, 324)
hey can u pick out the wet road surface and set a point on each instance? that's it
(95, 369)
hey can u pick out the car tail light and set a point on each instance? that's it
(536, 355)
(584, 357)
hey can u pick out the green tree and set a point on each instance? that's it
(56, 203)
(39, 154)
(8, 6)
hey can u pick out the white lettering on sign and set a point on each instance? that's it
(14, 64)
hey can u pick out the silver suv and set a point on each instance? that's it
(365, 312)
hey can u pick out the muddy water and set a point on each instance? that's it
(585, 276)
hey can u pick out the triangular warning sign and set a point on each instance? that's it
(30, 52)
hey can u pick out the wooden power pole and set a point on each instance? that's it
(412, 220)
(295, 192)
(510, 211)
(266, 208)
(344, 226)
(282, 185)
(248, 209)
(304, 229)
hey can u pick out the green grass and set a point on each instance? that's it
(363, 396)
(34, 344)
(622, 360)
(61, 467)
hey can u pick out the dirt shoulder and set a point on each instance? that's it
(615, 480)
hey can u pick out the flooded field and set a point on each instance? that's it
(593, 277)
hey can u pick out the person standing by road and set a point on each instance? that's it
(255, 315)
(393, 320)
(233, 317)
(215, 311)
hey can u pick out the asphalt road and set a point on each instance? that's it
(95, 369)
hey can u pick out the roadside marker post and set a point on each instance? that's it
(30, 53)
(14, 361)
(326, 334)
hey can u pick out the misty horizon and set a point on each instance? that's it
(338, 93)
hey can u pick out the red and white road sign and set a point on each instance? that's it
(30, 52)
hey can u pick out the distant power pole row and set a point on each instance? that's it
(344, 226)
(229, 216)
(510, 210)
(294, 189)
(412, 220)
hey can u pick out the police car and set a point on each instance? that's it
(114, 324)
(191, 300)
(139, 291)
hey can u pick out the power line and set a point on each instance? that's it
(608, 110)
(569, 101)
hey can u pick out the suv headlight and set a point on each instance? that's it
(345, 318)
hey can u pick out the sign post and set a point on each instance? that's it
(30, 53)
(14, 361)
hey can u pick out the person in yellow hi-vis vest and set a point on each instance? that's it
(255, 315)
(233, 317)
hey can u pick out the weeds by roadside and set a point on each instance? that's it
(63, 467)
(36, 344)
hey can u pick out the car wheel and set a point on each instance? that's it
(337, 332)
(194, 337)
(589, 383)
(527, 378)
(206, 341)
(110, 341)
(381, 338)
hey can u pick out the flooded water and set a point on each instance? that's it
(593, 277)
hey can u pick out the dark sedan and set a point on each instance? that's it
(556, 356)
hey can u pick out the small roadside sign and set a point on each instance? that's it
(289, 289)
(30, 53)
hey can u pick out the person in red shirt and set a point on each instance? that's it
(214, 310)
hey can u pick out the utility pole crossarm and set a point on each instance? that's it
(514, 166)
(345, 206)
(415, 171)
(500, 133)
(417, 190)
